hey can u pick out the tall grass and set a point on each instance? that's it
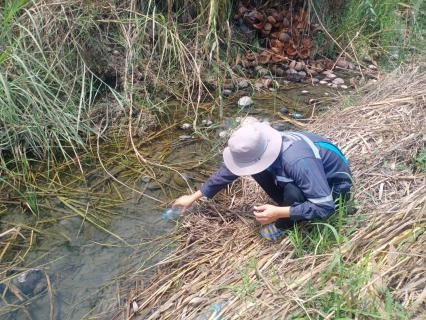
(391, 32)
(58, 58)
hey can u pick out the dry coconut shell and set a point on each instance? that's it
(287, 44)
(291, 50)
(264, 57)
(307, 43)
(279, 57)
(276, 45)
(271, 20)
(311, 72)
(304, 53)
(250, 55)
(274, 35)
(259, 26)
(267, 27)
(328, 64)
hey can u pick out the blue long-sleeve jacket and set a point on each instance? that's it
(298, 163)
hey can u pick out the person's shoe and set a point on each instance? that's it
(271, 232)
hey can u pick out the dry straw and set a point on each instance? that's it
(221, 260)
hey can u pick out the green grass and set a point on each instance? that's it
(246, 287)
(320, 236)
(419, 161)
(389, 32)
(346, 298)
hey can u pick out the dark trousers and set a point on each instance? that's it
(289, 194)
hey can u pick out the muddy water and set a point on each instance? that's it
(80, 268)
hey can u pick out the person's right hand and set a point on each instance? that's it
(185, 201)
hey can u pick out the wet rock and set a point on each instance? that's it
(227, 92)
(206, 123)
(181, 179)
(315, 80)
(331, 76)
(302, 73)
(28, 281)
(372, 67)
(323, 82)
(299, 66)
(343, 86)
(245, 102)
(291, 71)
(305, 92)
(306, 80)
(145, 179)
(284, 110)
(228, 86)
(153, 186)
(338, 81)
(341, 63)
(186, 126)
(279, 126)
(243, 84)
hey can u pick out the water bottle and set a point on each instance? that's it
(173, 213)
(296, 115)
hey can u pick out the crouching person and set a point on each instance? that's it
(302, 172)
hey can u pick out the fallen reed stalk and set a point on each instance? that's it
(374, 264)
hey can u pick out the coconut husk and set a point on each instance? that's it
(264, 57)
(221, 259)
(291, 50)
(304, 53)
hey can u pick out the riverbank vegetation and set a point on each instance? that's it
(76, 74)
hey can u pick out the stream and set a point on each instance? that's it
(89, 236)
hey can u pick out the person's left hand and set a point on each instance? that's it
(267, 213)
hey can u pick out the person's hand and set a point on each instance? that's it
(268, 213)
(185, 201)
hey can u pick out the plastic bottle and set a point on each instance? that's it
(296, 115)
(173, 213)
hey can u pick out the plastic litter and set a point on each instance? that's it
(214, 311)
(174, 213)
(296, 115)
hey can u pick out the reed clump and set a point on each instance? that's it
(373, 264)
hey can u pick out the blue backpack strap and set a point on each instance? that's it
(333, 148)
(310, 143)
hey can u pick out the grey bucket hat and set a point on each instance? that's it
(252, 149)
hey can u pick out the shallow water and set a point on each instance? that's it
(88, 267)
